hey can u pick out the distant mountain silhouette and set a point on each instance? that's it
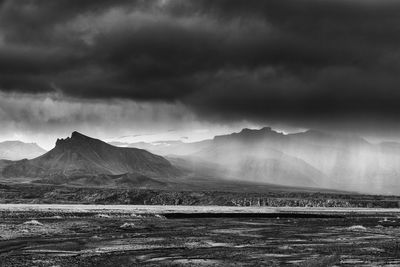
(16, 150)
(82, 156)
(251, 136)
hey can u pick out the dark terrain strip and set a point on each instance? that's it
(248, 215)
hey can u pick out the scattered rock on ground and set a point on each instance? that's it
(33, 222)
(127, 225)
(357, 228)
(103, 216)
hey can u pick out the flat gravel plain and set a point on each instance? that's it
(127, 235)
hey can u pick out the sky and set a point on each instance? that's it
(191, 69)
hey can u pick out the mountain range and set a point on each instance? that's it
(264, 156)
(16, 150)
(310, 158)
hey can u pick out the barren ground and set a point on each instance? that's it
(79, 235)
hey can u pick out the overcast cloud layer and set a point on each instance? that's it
(305, 63)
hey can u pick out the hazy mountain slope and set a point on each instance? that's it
(250, 162)
(84, 156)
(348, 162)
(16, 150)
(345, 162)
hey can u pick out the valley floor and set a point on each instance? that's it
(127, 235)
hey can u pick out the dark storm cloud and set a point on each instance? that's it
(285, 60)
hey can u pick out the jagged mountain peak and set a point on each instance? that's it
(247, 134)
(81, 155)
(77, 139)
(263, 130)
(78, 135)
